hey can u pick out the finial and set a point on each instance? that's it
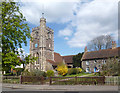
(42, 15)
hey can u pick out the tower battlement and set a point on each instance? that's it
(49, 29)
(36, 28)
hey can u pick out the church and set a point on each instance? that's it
(42, 46)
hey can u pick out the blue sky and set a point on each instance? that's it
(75, 22)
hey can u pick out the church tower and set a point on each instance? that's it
(42, 45)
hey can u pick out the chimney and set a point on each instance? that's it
(113, 44)
(86, 49)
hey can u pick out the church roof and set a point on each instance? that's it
(57, 59)
(105, 53)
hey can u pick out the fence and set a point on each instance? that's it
(77, 80)
(107, 80)
(112, 80)
(11, 79)
(32, 80)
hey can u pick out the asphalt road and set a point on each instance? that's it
(19, 87)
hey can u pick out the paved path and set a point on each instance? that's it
(12, 87)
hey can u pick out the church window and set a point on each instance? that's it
(37, 55)
(36, 33)
(36, 45)
(49, 45)
(49, 36)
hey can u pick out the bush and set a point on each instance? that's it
(9, 74)
(74, 71)
(62, 69)
(80, 70)
(19, 70)
(26, 73)
(103, 73)
(97, 74)
(50, 73)
(35, 72)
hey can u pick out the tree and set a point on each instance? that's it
(77, 60)
(28, 59)
(15, 31)
(111, 67)
(101, 42)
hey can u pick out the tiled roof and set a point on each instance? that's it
(105, 53)
(68, 59)
(57, 59)
(52, 62)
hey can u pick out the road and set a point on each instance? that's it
(19, 87)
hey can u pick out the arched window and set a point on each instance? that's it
(37, 55)
(49, 35)
(36, 45)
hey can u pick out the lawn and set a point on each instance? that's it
(16, 81)
(80, 74)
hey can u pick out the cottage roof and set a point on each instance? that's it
(105, 53)
(68, 59)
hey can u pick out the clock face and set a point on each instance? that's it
(36, 45)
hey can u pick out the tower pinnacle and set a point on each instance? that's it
(42, 15)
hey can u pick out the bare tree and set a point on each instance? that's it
(101, 42)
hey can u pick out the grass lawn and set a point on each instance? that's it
(80, 74)
(11, 81)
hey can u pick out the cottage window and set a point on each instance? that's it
(87, 62)
(87, 69)
(95, 61)
(104, 61)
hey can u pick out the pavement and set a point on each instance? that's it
(25, 87)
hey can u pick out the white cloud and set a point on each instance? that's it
(66, 38)
(94, 19)
(65, 32)
(22, 54)
(57, 11)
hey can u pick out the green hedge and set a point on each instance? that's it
(73, 71)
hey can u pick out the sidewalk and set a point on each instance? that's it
(61, 87)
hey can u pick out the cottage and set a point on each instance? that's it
(93, 61)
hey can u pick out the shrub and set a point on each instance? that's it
(35, 72)
(18, 70)
(39, 73)
(80, 70)
(103, 73)
(74, 71)
(9, 74)
(97, 74)
(26, 73)
(62, 69)
(50, 73)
